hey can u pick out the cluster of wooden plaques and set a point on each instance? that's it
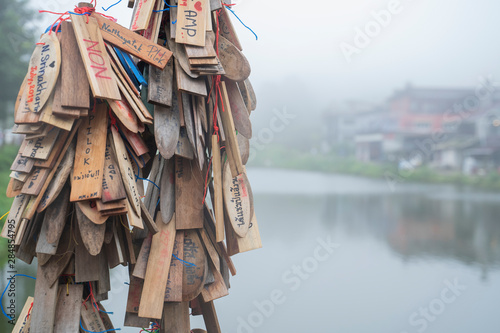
(134, 154)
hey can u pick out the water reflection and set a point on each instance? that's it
(416, 225)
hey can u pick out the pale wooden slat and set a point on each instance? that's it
(89, 157)
(75, 84)
(191, 26)
(95, 57)
(133, 43)
(155, 282)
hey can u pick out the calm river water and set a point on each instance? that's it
(348, 254)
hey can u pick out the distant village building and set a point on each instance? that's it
(449, 129)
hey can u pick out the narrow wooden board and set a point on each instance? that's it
(74, 81)
(237, 200)
(54, 154)
(42, 245)
(186, 110)
(86, 265)
(24, 322)
(175, 318)
(148, 220)
(248, 95)
(92, 234)
(239, 110)
(133, 43)
(14, 188)
(209, 316)
(234, 156)
(244, 147)
(218, 196)
(69, 304)
(20, 176)
(112, 183)
(252, 240)
(35, 182)
(40, 148)
(235, 64)
(205, 51)
(89, 209)
(173, 292)
(155, 282)
(194, 62)
(184, 147)
(135, 141)
(137, 105)
(167, 127)
(48, 117)
(134, 294)
(193, 276)
(44, 67)
(189, 188)
(90, 156)
(160, 85)
(215, 4)
(56, 215)
(155, 22)
(95, 57)
(133, 320)
(111, 206)
(11, 224)
(44, 304)
(191, 25)
(167, 190)
(216, 289)
(134, 219)
(125, 114)
(227, 30)
(142, 259)
(180, 54)
(126, 171)
(91, 320)
(188, 84)
(120, 70)
(22, 164)
(60, 176)
(23, 114)
(57, 108)
(142, 15)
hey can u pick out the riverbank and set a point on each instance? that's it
(280, 157)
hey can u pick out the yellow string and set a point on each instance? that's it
(4, 215)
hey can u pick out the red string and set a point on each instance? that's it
(206, 181)
(29, 311)
(112, 119)
(87, 11)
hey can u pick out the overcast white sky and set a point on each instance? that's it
(430, 43)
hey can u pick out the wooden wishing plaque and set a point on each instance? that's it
(133, 43)
(95, 57)
(112, 185)
(89, 157)
(155, 282)
(191, 22)
(188, 194)
(196, 268)
(126, 171)
(142, 14)
(44, 67)
(237, 200)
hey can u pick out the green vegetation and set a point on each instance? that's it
(16, 44)
(7, 155)
(281, 157)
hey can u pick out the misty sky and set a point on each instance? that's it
(429, 43)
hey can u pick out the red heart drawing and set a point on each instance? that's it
(197, 6)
